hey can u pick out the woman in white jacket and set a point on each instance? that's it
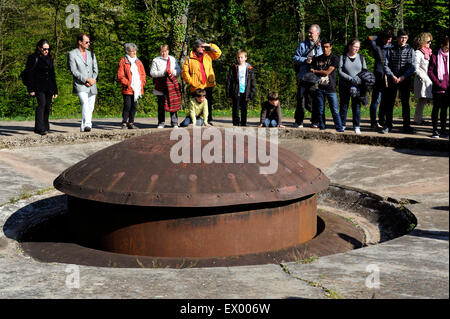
(162, 66)
(422, 82)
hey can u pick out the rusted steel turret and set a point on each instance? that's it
(134, 198)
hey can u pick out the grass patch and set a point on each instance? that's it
(25, 195)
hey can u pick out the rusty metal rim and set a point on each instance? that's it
(215, 235)
(323, 244)
(319, 183)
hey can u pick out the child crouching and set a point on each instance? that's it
(198, 110)
(271, 112)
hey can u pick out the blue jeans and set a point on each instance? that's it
(345, 97)
(333, 103)
(270, 123)
(188, 120)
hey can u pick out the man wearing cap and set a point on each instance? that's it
(198, 71)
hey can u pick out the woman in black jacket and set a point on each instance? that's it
(41, 83)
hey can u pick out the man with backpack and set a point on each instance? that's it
(82, 64)
(303, 56)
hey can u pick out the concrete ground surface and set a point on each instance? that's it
(413, 266)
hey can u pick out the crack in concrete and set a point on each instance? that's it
(329, 293)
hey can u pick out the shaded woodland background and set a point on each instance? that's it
(268, 29)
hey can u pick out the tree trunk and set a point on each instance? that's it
(327, 11)
(355, 17)
(57, 9)
(178, 27)
(398, 14)
(178, 35)
(300, 17)
(263, 13)
(346, 18)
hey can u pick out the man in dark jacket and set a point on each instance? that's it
(240, 87)
(379, 45)
(399, 65)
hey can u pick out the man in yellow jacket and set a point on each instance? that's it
(198, 71)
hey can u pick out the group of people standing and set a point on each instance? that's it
(316, 68)
(39, 77)
(395, 64)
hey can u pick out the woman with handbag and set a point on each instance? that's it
(164, 71)
(41, 83)
(131, 74)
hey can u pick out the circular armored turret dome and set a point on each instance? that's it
(196, 193)
(201, 169)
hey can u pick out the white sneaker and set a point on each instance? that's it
(161, 126)
(357, 130)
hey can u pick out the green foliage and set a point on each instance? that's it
(267, 29)
(178, 8)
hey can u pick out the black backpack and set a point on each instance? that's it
(367, 78)
(310, 81)
(23, 74)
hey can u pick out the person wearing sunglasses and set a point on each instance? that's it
(41, 83)
(82, 64)
(422, 82)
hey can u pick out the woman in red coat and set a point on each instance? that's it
(131, 74)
